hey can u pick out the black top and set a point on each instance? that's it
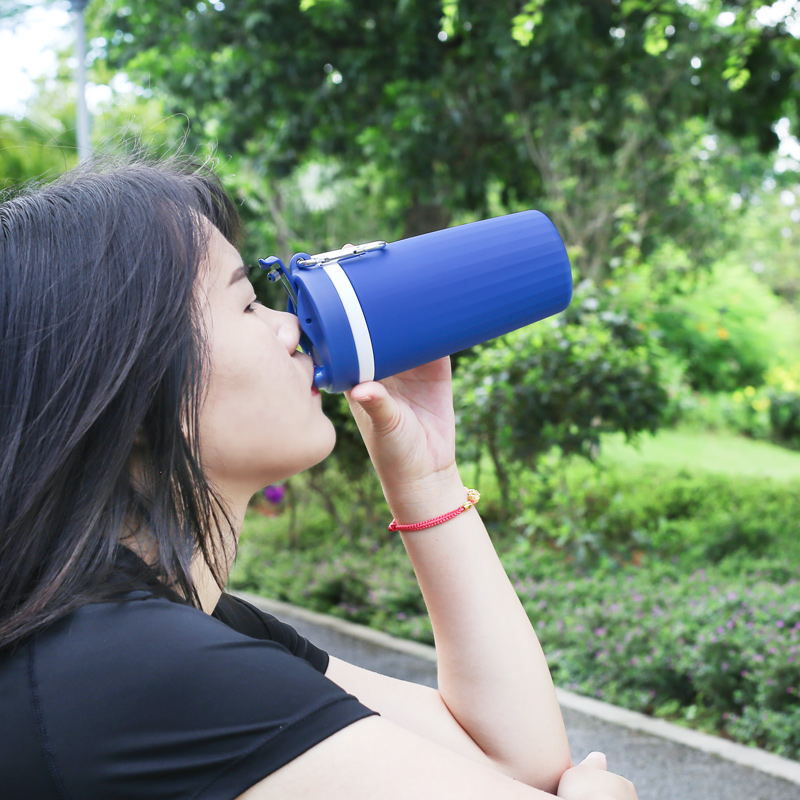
(247, 619)
(147, 698)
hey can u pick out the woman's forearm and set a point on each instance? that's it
(493, 675)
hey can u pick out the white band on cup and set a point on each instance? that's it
(355, 316)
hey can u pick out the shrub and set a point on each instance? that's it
(784, 416)
(562, 383)
(771, 411)
(721, 329)
(362, 580)
(593, 514)
(745, 411)
(717, 650)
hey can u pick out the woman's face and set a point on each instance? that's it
(261, 419)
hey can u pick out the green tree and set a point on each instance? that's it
(31, 150)
(461, 109)
(770, 240)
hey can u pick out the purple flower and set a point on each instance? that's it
(274, 493)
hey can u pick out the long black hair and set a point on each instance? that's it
(102, 363)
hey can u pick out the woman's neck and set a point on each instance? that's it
(203, 576)
(208, 590)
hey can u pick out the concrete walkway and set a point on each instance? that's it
(665, 761)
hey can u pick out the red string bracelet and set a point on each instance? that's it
(473, 495)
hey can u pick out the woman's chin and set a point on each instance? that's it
(299, 465)
(324, 451)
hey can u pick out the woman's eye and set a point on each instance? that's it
(252, 306)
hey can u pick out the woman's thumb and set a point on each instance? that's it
(596, 760)
(373, 399)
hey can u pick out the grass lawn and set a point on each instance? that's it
(702, 450)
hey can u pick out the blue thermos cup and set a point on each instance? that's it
(373, 310)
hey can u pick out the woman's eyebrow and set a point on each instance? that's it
(241, 272)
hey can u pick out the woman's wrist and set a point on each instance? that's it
(473, 496)
(426, 499)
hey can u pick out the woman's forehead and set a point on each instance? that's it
(222, 265)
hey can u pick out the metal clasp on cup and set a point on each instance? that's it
(340, 255)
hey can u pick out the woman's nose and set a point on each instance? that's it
(288, 330)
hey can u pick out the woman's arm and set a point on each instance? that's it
(493, 677)
(374, 758)
(416, 708)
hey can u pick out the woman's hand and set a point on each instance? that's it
(590, 780)
(408, 425)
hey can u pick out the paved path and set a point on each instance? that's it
(673, 765)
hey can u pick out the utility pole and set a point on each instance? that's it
(82, 112)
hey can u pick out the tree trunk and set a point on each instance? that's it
(318, 485)
(503, 478)
(425, 217)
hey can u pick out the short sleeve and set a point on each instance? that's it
(150, 698)
(245, 618)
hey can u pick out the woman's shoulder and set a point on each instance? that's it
(151, 641)
(137, 619)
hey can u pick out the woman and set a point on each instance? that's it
(145, 396)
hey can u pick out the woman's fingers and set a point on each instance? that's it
(595, 759)
(590, 780)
